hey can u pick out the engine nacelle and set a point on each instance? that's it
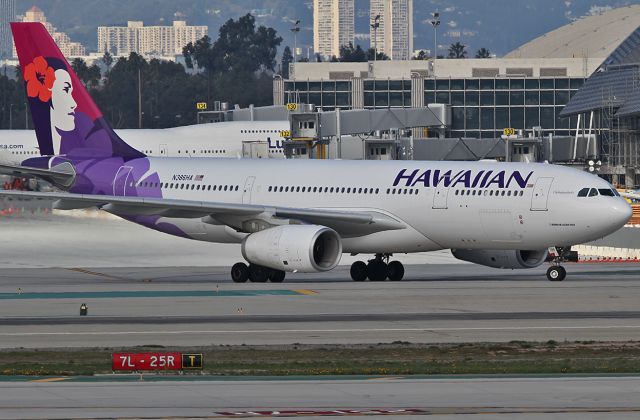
(303, 248)
(502, 258)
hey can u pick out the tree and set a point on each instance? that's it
(90, 76)
(422, 55)
(107, 60)
(287, 58)
(483, 53)
(240, 54)
(349, 54)
(457, 50)
(379, 56)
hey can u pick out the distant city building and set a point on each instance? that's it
(68, 47)
(7, 14)
(148, 40)
(394, 35)
(333, 26)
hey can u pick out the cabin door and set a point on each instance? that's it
(541, 194)
(248, 187)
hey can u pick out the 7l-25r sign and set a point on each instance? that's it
(155, 361)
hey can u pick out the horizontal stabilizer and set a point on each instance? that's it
(61, 175)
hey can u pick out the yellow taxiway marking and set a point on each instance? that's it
(108, 276)
(306, 292)
(50, 380)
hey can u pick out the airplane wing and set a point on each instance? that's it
(239, 216)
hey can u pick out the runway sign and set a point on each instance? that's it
(192, 361)
(155, 361)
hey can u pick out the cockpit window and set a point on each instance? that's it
(593, 192)
(583, 192)
(616, 193)
(606, 192)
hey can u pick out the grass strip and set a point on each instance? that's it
(398, 358)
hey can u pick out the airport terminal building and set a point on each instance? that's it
(527, 88)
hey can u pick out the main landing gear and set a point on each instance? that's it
(563, 254)
(240, 273)
(377, 269)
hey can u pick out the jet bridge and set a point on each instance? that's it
(312, 132)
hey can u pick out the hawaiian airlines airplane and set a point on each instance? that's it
(224, 139)
(301, 216)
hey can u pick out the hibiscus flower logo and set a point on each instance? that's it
(39, 77)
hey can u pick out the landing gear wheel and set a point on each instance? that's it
(276, 276)
(556, 273)
(258, 273)
(377, 270)
(240, 273)
(358, 271)
(395, 271)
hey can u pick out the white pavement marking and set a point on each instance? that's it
(352, 330)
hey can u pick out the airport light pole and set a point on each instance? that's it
(295, 30)
(435, 22)
(375, 25)
(26, 116)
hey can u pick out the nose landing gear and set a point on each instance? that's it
(563, 254)
(377, 269)
(556, 273)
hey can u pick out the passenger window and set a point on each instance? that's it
(583, 192)
(593, 192)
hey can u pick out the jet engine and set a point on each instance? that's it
(502, 258)
(303, 248)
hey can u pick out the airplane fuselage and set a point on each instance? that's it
(472, 205)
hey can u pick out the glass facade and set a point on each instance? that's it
(481, 107)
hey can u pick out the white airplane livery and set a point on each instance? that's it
(224, 139)
(301, 216)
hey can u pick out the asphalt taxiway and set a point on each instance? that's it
(201, 306)
(441, 398)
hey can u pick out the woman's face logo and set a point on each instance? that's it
(62, 103)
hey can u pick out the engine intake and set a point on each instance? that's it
(303, 248)
(513, 259)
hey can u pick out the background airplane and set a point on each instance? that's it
(224, 139)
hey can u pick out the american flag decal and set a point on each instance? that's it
(199, 178)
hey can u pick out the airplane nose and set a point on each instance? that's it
(619, 214)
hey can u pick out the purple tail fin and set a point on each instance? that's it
(66, 119)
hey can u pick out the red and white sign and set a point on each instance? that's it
(146, 361)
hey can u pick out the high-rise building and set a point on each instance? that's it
(7, 14)
(67, 47)
(394, 34)
(148, 40)
(333, 26)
